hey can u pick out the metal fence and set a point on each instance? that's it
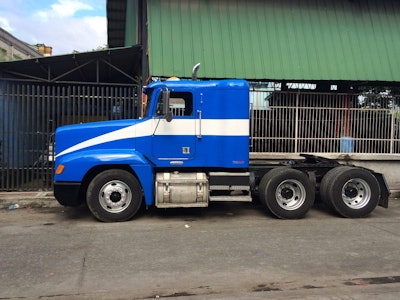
(281, 122)
(298, 122)
(29, 115)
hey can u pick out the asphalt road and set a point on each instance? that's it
(225, 251)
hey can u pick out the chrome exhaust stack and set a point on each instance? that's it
(194, 71)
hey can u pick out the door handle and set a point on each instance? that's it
(199, 134)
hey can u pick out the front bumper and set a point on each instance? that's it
(68, 193)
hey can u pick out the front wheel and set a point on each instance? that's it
(288, 193)
(114, 196)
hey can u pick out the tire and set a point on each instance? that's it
(352, 192)
(328, 178)
(114, 196)
(288, 193)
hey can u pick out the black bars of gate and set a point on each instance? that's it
(29, 115)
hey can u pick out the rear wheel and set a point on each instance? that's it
(114, 195)
(288, 193)
(352, 192)
(328, 179)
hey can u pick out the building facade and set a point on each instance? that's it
(12, 48)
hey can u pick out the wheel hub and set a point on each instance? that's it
(290, 194)
(115, 196)
(356, 193)
(351, 192)
(287, 193)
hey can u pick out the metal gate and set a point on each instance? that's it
(281, 122)
(304, 122)
(29, 115)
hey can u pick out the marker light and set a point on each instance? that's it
(60, 169)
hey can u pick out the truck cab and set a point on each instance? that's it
(202, 125)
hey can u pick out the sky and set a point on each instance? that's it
(65, 25)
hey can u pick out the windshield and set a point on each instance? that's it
(148, 93)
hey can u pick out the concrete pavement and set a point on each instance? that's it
(227, 251)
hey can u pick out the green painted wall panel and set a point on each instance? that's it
(276, 39)
(131, 26)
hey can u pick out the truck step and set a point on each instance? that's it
(232, 198)
(181, 205)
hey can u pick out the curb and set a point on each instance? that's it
(28, 199)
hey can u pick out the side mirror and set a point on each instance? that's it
(168, 116)
(166, 111)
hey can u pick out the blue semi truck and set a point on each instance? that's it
(191, 147)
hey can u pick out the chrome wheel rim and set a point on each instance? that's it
(290, 194)
(115, 196)
(356, 193)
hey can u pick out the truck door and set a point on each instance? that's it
(175, 140)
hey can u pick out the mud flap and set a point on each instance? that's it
(385, 192)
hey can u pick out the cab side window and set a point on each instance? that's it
(180, 103)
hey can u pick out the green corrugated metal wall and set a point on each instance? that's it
(131, 26)
(356, 40)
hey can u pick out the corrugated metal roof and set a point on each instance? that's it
(119, 65)
(356, 40)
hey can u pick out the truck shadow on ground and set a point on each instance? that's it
(221, 210)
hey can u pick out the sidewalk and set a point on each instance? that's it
(28, 199)
(46, 199)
